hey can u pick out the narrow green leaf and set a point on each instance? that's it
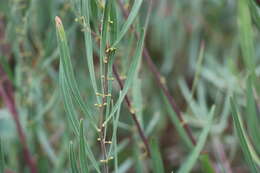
(139, 166)
(82, 151)
(69, 106)
(136, 6)
(242, 136)
(251, 111)
(130, 76)
(114, 140)
(73, 161)
(193, 157)
(198, 69)
(255, 11)
(103, 41)
(157, 162)
(206, 164)
(43, 139)
(177, 124)
(88, 43)
(125, 166)
(2, 159)
(104, 31)
(245, 8)
(68, 80)
(246, 37)
(85, 152)
(114, 22)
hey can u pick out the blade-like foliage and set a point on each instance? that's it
(255, 11)
(177, 124)
(206, 164)
(156, 157)
(114, 146)
(247, 39)
(251, 111)
(130, 75)
(88, 43)
(73, 160)
(193, 157)
(82, 151)
(85, 151)
(132, 15)
(67, 78)
(2, 159)
(242, 137)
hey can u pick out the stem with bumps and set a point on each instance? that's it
(129, 105)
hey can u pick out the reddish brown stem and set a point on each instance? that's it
(6, 92)
(159, 82)
(139, 129)
(129, 105)
(166, 92)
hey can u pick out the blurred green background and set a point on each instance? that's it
(187, 39)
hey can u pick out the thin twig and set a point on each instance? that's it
(129, 105)
(166, 92)
(7, 93)
(102, 128)
(139, 129)
(160, 82)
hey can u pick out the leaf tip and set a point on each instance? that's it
(58, 21)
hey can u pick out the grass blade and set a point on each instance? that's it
(88, 43)
(69, 106)
(114, 140)
(86, 151)
(242, 137)
(206, 164)
(255, 11)
(73, 161)
(246, 34)
(156, 157)
(191, 160)
(198, 68)
(177, 123)
(68, 74)
(2, 159)
(82, 151)
(132, 15)
(247, 38)
(251, 111)
(130, 76)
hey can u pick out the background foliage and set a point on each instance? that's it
(192, 105)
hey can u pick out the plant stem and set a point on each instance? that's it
(102, 130)
(103, 113)
(160, 83)
(129, 105)
(166, 92)
(6, 92)
(139, 129)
